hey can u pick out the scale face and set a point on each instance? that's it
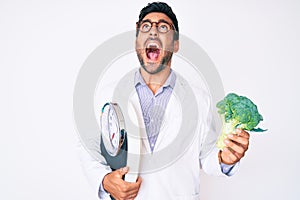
(112, 128)
(113, 135)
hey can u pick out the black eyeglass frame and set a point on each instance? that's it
(172, 27)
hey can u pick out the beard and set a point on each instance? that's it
(154, 68)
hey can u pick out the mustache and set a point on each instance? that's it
(153, 39)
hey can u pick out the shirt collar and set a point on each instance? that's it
(171, 80)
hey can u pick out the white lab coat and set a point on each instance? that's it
(180, 178)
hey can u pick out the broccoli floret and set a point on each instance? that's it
(237, 112)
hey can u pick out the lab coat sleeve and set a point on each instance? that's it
(94, 171)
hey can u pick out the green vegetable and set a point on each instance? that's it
(237, 112)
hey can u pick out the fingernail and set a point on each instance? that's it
(230, 135)
(125, 169)
(226, 141)
(238, 130)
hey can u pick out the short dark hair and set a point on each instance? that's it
(162, 8)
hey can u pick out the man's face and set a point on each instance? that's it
(155, 47)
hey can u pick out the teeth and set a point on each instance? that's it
(152, 45)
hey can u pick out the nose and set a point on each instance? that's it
(153, 31)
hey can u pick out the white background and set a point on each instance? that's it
(255, 46)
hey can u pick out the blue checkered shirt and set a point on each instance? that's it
(153, 105)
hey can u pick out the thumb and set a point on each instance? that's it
(123, 171)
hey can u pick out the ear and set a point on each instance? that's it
(136, 25)
(176, 46)
(136, 29)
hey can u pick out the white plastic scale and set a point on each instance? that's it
(113, 133)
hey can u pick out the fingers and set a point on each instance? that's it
(241, 138)
(130, 190)
(237, 144)
(234, 146)
(227, 157)
(118, 188)
(122, 171)
(242, 133)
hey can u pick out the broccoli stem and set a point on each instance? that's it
(227, 128)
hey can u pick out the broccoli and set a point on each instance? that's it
(237, 112)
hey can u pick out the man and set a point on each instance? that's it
(157, 37)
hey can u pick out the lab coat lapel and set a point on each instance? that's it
(171, 121)
(172, 117)
(134, 100)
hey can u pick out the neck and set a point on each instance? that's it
(155, 81)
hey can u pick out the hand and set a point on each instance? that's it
(118, 188)
(237, 144)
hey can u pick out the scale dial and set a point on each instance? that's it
(112, 128)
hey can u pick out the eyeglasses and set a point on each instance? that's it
(162, 26)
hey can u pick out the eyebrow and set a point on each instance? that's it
(161, 20)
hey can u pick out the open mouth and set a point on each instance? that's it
(152, 51)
